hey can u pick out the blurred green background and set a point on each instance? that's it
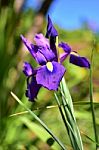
(22, 132)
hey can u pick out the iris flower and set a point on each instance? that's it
(50, 70)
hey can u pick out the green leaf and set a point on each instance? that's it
(39, 131)
(39, 120)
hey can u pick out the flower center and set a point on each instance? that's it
(49, 66)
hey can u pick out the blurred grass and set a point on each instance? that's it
(15, 132)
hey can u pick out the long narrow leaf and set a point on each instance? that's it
(69, 111)
(91, 97)
(39, 120)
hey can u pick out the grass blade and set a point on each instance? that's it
(39, 120)
(91, 97)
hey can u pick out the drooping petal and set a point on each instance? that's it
(78, 60)
(32, 88)
(65, 47)
(67, 50)
(28, 69)
(50, 77)
(51, 31)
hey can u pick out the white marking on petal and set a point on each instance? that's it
(49, 66)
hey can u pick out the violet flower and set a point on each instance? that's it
(50, 71)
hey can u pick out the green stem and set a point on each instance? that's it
(69, 112)
(60, 109)
(67, 125)
(70, 118)
(39, 120)
(91, 98)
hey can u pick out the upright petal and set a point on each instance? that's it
(28, 44)
(32, 88)
(51, 31)
(78, 60)
(50, 77)
(44, 47)
(41, 40)
(28, 69)
(53, 47)
(34, 50)
(39, 57)
(47, 53)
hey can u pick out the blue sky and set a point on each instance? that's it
(69, 14)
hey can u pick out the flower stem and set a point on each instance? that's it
(66, 123)
(91, 97)
(69, 113)
(61, 112)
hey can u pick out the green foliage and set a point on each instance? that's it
(22, 131)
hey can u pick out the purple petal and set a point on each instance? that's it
(41, 40)
(39, 57)
(27, 44)
(79, 61)
(50, 79)
(28, 69)
(34, 50)
(62, 57)
(51, 31)
(67, 50)
(44, 47)
(32, 88)
(47, 53)
(65, 47)
(53, 47)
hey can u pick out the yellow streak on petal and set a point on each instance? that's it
(56, 41)
(74, 53)
(58, 53)
(49, 66)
